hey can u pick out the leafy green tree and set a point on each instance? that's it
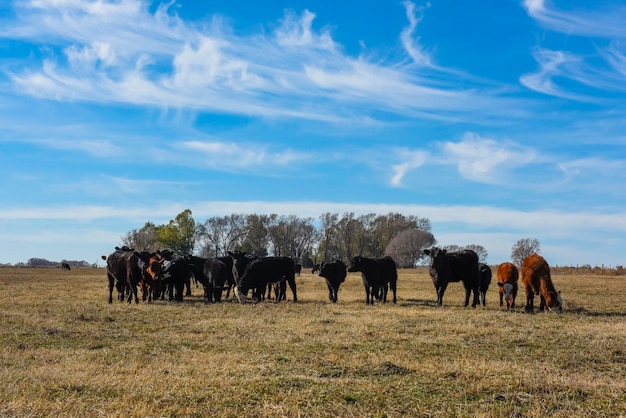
(179, 234)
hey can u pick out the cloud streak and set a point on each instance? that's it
(121, 53)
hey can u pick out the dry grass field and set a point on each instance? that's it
(66, 352)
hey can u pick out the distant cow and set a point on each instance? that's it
(507, 284)
(537, 281)
(379, 274)
(335, 273)
(454, 266)
(484, 280)
(259, 273)
(65, 266)
(298, 269)
(315, 268)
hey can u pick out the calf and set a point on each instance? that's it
(537, 281)
(507, 284)
(379, 274)
(484, 280)
(65, 266)
(335, 273)
(454, 266)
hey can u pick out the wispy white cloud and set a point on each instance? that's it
(409, 40)
(410, 161)
(120, 52)
(608, 23)
(230, 156)
(485, 160)
(603, 69)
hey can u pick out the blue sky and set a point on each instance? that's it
(497, 120)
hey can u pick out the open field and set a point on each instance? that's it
(66, 352)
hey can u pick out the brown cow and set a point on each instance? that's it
(151, 285)
(537, 281)
(507, 284)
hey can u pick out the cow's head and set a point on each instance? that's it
(437, 261)
(355, 264)
(556, 302)
(241, 296)
(507, 289)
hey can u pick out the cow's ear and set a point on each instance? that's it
(427, 252)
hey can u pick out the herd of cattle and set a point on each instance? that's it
(165, 274)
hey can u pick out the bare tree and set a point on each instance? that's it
(406, 247)
(523, 248)
(221, 235)
(256, 240)
(480, 250)
(328, 247)
(144, 239)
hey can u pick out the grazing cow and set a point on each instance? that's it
(65, 266)
(379, 274)
(335, 273)
(484, 280)
(125, 269)
(537, 281)
(298, 269)
(507, 284)
(454, 266)
(259, 273)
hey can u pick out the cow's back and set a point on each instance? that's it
(463, 266)
(387, 269)
(534, 270)
(507, 273)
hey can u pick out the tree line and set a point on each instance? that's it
(310, 240)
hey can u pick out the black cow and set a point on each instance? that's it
(211, 273)
(230, 273)
(316, 268)
(454, 266)
(335, 273)
(484, 280)
(379, 274)
(298, 269)
(259, 273)
(65, 266)
(176, 274)
(125, 269)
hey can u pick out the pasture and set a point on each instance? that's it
(66, 352)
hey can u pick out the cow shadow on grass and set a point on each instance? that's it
(579, 310)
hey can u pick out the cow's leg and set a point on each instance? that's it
(292, 286)
(542, 304)
(367, 296)
(476, 300)
(530, 294)
(440, 292)
(392, 285)
(111, 285)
